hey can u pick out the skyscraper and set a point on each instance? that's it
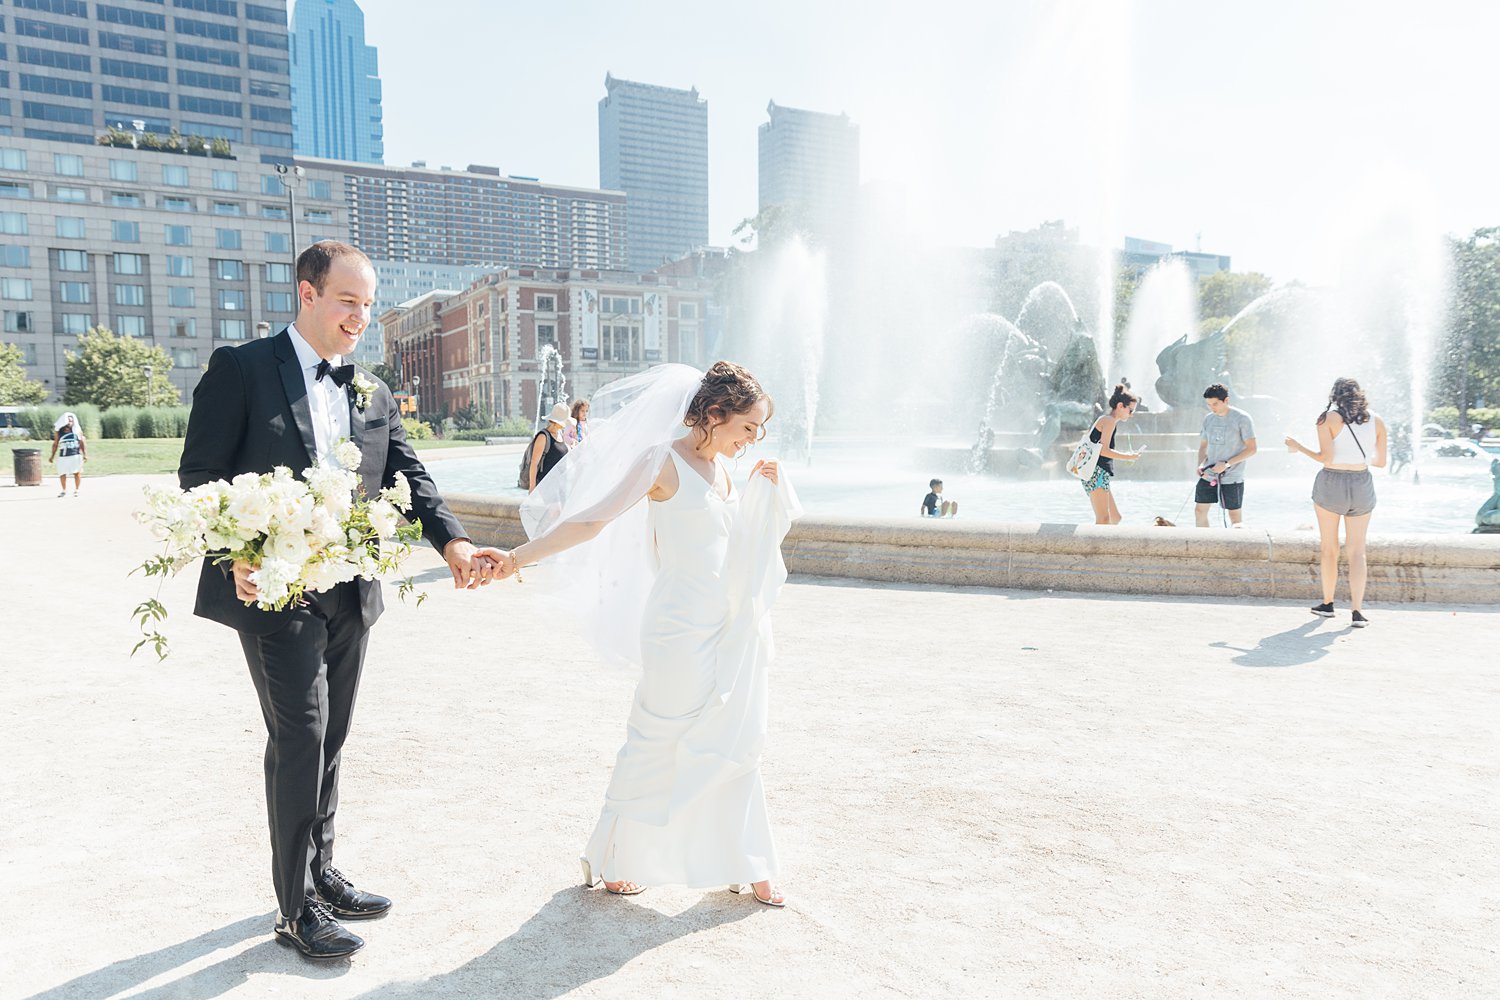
(336, 110)
(653, 145)
(211, 68)
(809, 162)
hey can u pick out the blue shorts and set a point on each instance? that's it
(1098, 481)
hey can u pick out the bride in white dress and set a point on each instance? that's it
(680, 584)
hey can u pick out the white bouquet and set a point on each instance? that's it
(302, 535)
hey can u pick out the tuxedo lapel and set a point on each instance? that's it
(296, 392)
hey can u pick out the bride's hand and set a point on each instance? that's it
(767, 469)
(495, 564)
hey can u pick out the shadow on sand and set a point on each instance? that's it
(579, 936)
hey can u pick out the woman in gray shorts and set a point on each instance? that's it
(1351, 439)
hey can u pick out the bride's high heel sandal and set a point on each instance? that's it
(776, 899)
(620, 888)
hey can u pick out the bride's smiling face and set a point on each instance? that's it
(732, 436)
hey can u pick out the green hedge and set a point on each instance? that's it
(509, 427)
(1447, 416)
(38, 420)
(115, 422)
(416, 430)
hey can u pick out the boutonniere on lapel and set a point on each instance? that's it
(363, 391)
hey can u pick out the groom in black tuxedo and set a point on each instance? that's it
(289, 400)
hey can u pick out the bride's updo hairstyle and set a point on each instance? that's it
(1348, 400)
(726, 390)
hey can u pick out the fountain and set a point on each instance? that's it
(552, 387)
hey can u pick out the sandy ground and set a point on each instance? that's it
(976, 793)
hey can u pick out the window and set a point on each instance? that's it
(175, 176)
(266, 40)
(268, 64)
(73, 260)
(205, 54)
(278, 243)
(181, 297)
(54, 59)
(70, 228)
(546, 303)
(76, 324)
(130, 326)
(279, 302)
(125, 232)
(231, 329)
(19, 322)
(208, 81)
(227, 239)
(179, 236)
(75, 292)
(273, 212)
(177, 204)
(229, 270)
(122, 170)
(231, 299)
(229, 8)
(620, 343)
(133, 70)
(184, 357)
(130, 263)
(132, 43)
(318, 215)
(14, 223)
(228, 208)
(67, 165)
(12, 159)
(206, 29)
(277, 274)
(21, 257)
(73, 194)
(546, 333)
(136, 96)
(618, 305)
(269, 184)
(182, 326)
(15, 189)
(209, 106)
(180, 267)
(15, 288)
(134, 18)
(130, 295)
(687, 310)
(320, 190)
(268, 15)
(262, 113)
(35, 84)
(51, 31)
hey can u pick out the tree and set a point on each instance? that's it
(111, 371)
(387, 374)
(1470, 368)
(1226, 293)
(15, 388)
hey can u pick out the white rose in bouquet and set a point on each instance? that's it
(346, 455)
(383, 518)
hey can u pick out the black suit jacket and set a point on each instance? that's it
(250, 414)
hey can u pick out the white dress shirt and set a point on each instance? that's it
(328, 401)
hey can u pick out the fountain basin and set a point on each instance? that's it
(1212, 562)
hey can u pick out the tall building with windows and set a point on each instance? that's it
(336, 111)
(186, 252)
(653, 145)
(809, 164)
(70, 69)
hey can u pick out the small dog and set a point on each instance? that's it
(1162, 522)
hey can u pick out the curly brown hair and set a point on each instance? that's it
(727, 389)
(1348, 400)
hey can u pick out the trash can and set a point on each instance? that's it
(28, 466)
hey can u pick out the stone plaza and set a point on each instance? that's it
(978, 792)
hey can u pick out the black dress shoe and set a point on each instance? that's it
(316, 934)
(345, 900)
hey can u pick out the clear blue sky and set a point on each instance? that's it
(1280, 130)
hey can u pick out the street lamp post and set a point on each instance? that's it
(416, 383)
(150, 389)
(291, 179)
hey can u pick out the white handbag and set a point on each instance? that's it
(1084, 458)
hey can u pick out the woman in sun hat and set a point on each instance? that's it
(548, 446)
(70, 450)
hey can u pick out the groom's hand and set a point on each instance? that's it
(466, 569)
(244, 588)
(497, 563)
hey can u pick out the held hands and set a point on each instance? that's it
(466, 563)
(499, 564)
(767, 468)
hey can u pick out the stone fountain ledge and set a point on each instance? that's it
(1211, 562)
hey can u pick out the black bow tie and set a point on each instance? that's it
(342, 375)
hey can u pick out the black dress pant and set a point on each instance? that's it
(307, 675)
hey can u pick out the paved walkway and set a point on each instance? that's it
(977, 793)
